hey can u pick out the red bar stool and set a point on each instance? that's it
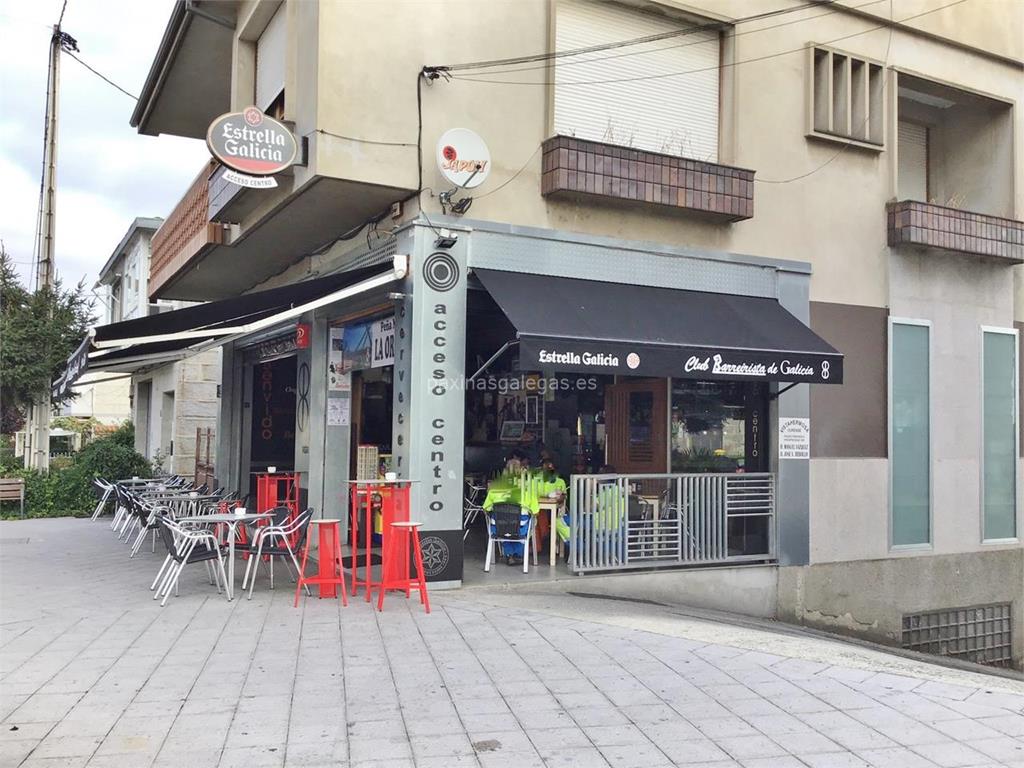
(330, 574)
(395, 567)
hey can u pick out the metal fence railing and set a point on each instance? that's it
(618, 522)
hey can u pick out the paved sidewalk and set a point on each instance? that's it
(94, 673)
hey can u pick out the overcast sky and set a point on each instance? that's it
(107, 174)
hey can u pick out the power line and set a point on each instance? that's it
(732, 36)
(547, 56)
(716, 67)
(885, 87)
(63, 8)
(102, 76)
(365, 141)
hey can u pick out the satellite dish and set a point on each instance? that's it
(463, 158)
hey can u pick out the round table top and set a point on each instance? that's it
(406, 524)
(226, 517)
(324, 520)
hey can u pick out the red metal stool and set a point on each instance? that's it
(330, 574)
(395, 568)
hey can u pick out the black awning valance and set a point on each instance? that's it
(567, 324)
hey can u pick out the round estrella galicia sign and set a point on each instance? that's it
(251, 142)
(436, 556)
(463, 158)
(633, 361)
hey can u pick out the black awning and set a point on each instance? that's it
(566, 324)
(155, 339)
(249, 307)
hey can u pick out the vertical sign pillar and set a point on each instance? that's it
(429, 406)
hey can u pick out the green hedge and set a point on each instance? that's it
(68, 490)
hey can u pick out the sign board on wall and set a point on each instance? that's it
(382, 341)
(251, 142)
(794, 438)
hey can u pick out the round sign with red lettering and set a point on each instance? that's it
(463, 158)
(251, 142)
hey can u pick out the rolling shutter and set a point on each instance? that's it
(270, 60)
(675, 115)
(912, 149)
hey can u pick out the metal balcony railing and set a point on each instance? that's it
(618, 522)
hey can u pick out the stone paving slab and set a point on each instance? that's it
(94, 673)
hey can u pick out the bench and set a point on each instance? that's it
(13, 489)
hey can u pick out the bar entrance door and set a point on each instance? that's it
(636, 415)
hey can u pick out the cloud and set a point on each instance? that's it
(107, 173)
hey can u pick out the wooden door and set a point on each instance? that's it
(636, 418)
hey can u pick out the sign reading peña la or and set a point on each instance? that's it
(251, 143)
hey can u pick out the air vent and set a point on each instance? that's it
(981, 634)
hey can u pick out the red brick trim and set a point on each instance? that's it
(578, 167)
(910, 222)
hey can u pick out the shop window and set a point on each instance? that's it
(846, 97)
(717, 426)
(999, 434)
(616, 101)
(910, 432)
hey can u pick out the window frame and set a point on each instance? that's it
(930, 544)
(1013, 332)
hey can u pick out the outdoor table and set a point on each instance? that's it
(231, 520)
(554, 508)
(331, 572)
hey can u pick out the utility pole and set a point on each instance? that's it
(37, 456)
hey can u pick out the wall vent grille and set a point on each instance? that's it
(981, 633)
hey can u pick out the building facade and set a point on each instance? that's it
(169, 402)
(860, 171)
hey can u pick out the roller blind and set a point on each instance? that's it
(676, 114)
(270, 60)
(912, 147)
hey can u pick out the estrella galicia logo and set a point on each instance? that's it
(435, 555)
(441, 272)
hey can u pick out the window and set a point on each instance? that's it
(716, 426)
(910, 432)
(846, 97)
(270, 67)
(912, 165)
(671, 115)
(999, 434)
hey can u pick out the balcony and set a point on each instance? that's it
(927, 225)
(578, 167)
(186, 234)
(954, 165)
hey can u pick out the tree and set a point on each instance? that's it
(38, 332)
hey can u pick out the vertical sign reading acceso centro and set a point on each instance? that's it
(250, 142)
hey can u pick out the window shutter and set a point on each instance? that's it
(912, 146)
(675, 115)
(270, 60)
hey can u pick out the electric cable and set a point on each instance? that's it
(102, 76)
(717, 67)
(548, 56)
(732, 36)
(363, 141)
(885, 88)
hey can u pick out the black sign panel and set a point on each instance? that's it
(76, 366)
(707, 363)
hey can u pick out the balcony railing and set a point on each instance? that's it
(618, 522)
(185, 232)
(927, 225)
